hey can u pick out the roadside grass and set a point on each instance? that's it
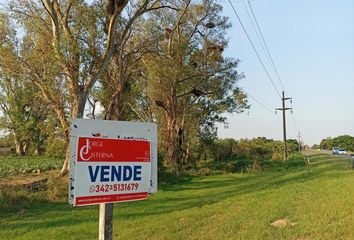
(317, 198)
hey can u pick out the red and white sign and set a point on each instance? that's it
(106, 170)
(112, 150)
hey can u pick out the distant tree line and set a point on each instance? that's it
(256, 148)
(244, 155)
(344, 141)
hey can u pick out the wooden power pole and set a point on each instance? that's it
(284, 109)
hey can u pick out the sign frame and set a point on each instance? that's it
(117, 132)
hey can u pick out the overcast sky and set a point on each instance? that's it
(312, 44)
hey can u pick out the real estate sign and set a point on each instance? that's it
(112, 161)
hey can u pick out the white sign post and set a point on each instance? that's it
(111, 161)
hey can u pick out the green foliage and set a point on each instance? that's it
(344, 141)
(277, 156)
(252, 166)
(248, 155)
(190, 83)
(315, 146)
(218, 150)
(255, 167)
(294, 161)
(239, 165)
(24, 114)
(297, 158)
(56, 147)
(257, 148)
(7, 141)
(23, 165)
(204, 172)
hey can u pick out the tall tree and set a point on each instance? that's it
(20, 114)
(188, 79)
(67, 46)
(23, 114)
(118, 82)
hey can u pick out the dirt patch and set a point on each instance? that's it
(280, 223)
(31, 183)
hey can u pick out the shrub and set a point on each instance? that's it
(277, 157)
(166, 177)
(56, 148)
(295, 160)
(204, 172)
(297, 157)
(239, 165)
(255, 167)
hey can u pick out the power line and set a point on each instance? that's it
(255, 30)
(272, 62)
(267, 51)
(268, 54)
(254, 48)
(266, 46)
(260, 103)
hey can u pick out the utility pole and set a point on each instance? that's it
(299, 137)
(284, 109)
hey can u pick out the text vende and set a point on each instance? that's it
(106, 173)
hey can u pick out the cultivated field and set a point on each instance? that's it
(312, 202)
(24, 165)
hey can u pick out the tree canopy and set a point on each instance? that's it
(343, 141)
(144, 60)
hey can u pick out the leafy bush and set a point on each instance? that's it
(56, 148)
(204, 172)
(297, 157)
(238, 165)
(277, 157)
(257, 149)
(296, 160)
(255, 167)
(258, 165)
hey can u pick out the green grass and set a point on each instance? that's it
(318, 197)
(17, 165)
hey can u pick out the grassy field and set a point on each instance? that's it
(316, 199)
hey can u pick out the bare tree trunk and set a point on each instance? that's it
(171, 142)
(18, 147)
(25, 148)
(77, 111)
(179, 147)
(37, 151)
(66, 166)
(186, 152)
